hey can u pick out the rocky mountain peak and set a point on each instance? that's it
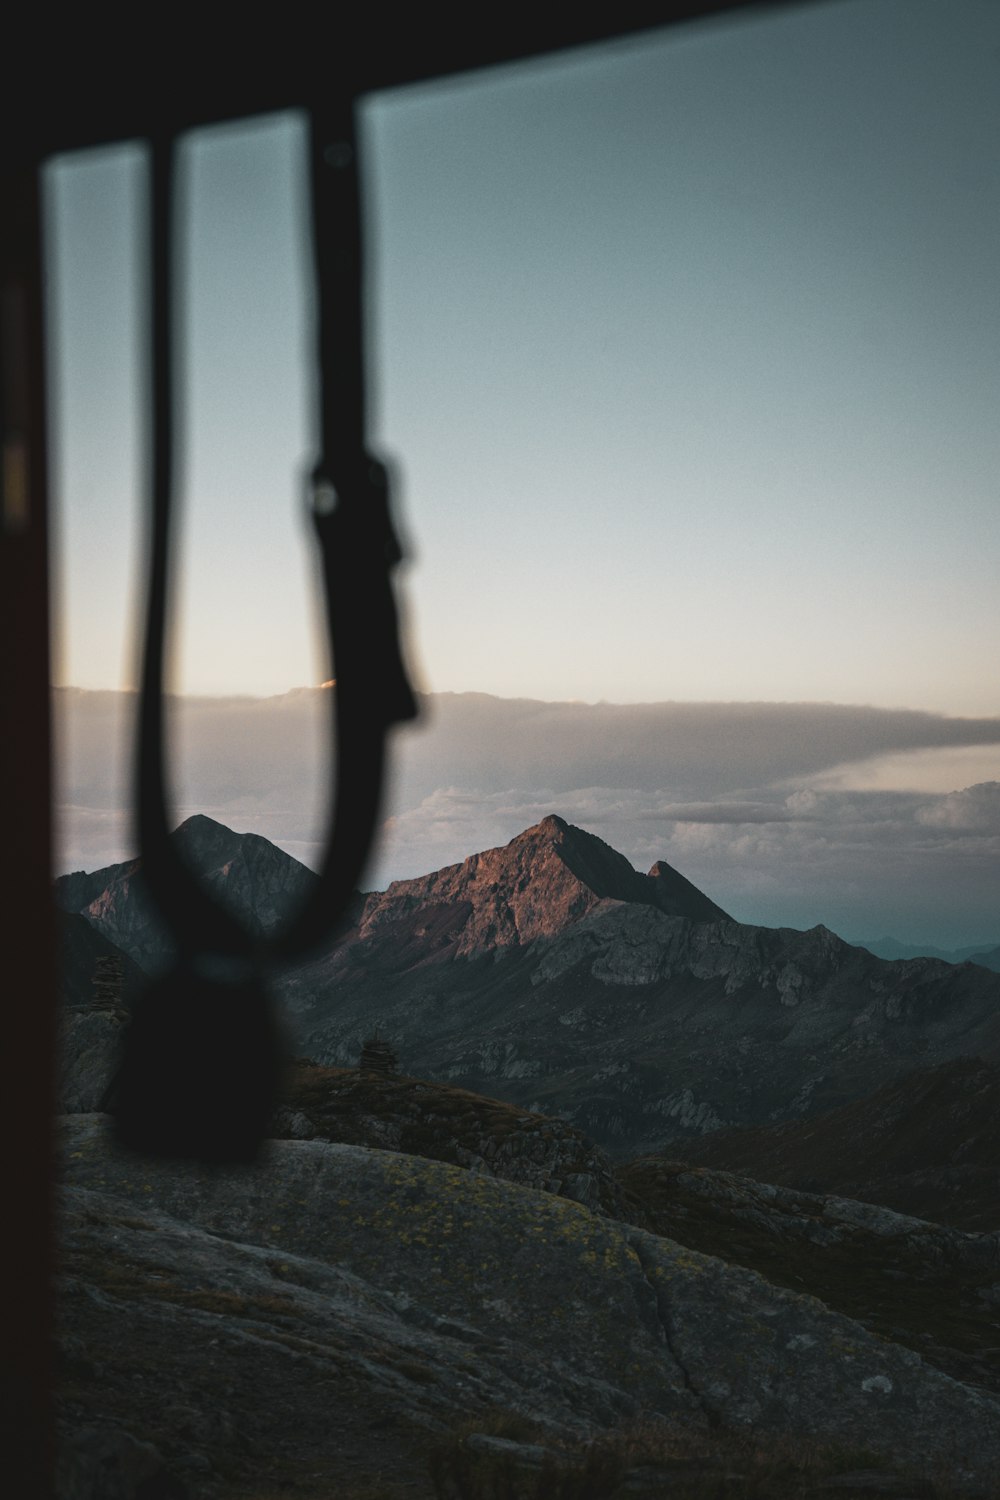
(676, 896)
(206, 844)
(253, 877)
(544, 880)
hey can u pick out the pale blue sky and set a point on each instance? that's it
(686, 350)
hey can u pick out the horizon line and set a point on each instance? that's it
(310, 688)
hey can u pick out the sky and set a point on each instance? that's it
(684, 351)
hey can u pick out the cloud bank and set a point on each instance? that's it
(785, 814)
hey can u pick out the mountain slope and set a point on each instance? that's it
(928, 1144)
(988, 958)
(256, 880)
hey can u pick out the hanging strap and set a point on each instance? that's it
(197, 923)
(350, 504)
(201, 1053)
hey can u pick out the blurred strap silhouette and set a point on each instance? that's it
(201, 1055)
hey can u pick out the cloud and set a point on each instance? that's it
(727, 812)
(785, 814)
(692, 751)
(975, 810)
(89, 838)
(937, 769)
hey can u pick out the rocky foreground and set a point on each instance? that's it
(340, 1312)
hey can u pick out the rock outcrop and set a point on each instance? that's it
(925, 1285)
(412, 1292)
(449, 1125)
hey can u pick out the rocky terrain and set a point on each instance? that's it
(932, 1288)
(425, 1292)
(342, 1320)
(395, 1113)
(909, 1280)
(553, 975)
(450, 1125)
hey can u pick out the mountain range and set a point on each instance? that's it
(466, 1296)
(251, 875)
(550, 973)
(987, 955)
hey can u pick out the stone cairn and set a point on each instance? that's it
(377, 1056)
(108, 984)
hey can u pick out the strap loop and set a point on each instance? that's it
(191, 1011)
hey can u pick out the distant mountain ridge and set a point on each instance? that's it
(551, 974)
(540, 883)
(985, 954)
